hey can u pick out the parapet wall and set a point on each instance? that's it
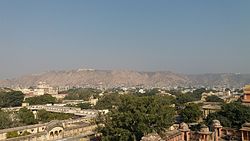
(49, 131)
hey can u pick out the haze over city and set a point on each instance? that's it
(131, 70)
(181, 36)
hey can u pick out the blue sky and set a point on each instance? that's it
(191, 36)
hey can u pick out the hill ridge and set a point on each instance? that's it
(114, 78)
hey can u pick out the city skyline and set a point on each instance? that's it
(180, 36)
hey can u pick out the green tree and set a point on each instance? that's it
(214, 98)
(183, 98)
(189, 97)
(12, 134)
(175, 92)
(149, 92)
(80, 105)
(45, 116)
(196, 94)
(26, 116)
(191, 113)
(11, 99)
(84, 105)
(136, 116)
(5, 121)
(82, 93)
(231, 115)
(40, 100)
(108, 101)
(218, 116)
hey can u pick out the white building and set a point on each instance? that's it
(44, 88)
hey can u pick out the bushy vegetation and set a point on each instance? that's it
(5, 120)
(82, 94)
(84, 105)
(149, 92)
(11, 99)
(188, 97)
(12, 134)
(26, 116)
(45, 116)
(40, 100)
(81, 105)
(13, 119)
(231, 115)
(191, 113)
(214, 98)
(108, 101)
(135, 116)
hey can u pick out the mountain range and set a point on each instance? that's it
(115, 78)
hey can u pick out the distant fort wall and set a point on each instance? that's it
(58, 109)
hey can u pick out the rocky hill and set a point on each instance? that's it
(113, 78)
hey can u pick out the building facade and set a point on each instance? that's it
(53, 130)
(246, 97)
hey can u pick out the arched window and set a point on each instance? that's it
(51, 133)
(56, 133)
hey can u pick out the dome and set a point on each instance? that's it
(184, 126)
(204, 128)
(216, 123)
(54, 123)
(247, 88)
(247, 124)
(151, 137)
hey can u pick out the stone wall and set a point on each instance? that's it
(49, 131)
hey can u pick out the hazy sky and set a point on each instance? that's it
(186, 36)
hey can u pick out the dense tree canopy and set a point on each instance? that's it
(80, 105)
(15, 119)
(191, 113)
(183, 98)
(136, 116)
(214, 98)
(108, 101)
(188, 97)
(82, 93)
(149, 92)
(26, 116)
(84, 105)
(11, 99)
(231, 115)
(5, 121)
(40, 100)
(196, 94)
(45, 116)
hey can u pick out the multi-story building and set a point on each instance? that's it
(246, 97)
(44, 88)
